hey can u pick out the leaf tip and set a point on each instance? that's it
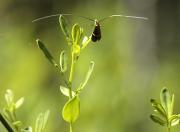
(39, 43)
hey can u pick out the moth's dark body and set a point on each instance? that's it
(96, 35)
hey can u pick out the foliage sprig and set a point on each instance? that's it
(76, 42)
(164, 110)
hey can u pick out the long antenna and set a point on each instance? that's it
(55, 15)
(133, 17)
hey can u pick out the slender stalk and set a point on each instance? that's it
(6, 124)
(71, 75)
(72, 69)
(71, 128)
(169, 129)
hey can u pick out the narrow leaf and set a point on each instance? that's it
(7, 114)
(63, 25)
(76, 33)
(71, 110)
(172, 104)
(17, 123)
(166, 100)
(175, 120)
(65, 91)
(45, 119)
(82, 85)
(46, 52)
(157, 119)
(63, 61)
(85, 42)
(19, 102)
(39, 123)
(9, 97)
(158, 107)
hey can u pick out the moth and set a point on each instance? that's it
(96, 34)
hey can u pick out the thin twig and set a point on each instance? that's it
(5, 123)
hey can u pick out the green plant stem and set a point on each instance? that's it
(71, 75)
(169, 129)
(71, 128)
(6, 124)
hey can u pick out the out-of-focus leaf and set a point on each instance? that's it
(46, 52)
(41, 121)
(158, 107)
(63, 61)
(85, 42)
(19, 102)
(175, 120)
(63, 25)
(9, 97)
(65, 91)
(82, 85)
(45, 119)
(7, 114)
(172, 104)
(17, 123)
(158, 120)
(166, 101)
(71, 110)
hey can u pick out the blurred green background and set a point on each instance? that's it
(133, 61)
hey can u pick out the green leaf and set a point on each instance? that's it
(17, 123)
(71, 110)
(175, 120)
(157, 119)
(65, 91)
(46, 52)
(172, 104)
(19, 102)
(63, 61)
(63, 25)
(7, 114)
(45, 119)
(85, 42)
(41, 121)
(76, 33)
(166, 101)
(9, 97)
(82, 85)
(158, 107)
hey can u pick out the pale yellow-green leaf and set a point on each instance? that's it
(85, 42)
(63, 25)
(19, 102)
(65, 91)
(63, 61)
(76, 33)
(71, 110)
(83, 84)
